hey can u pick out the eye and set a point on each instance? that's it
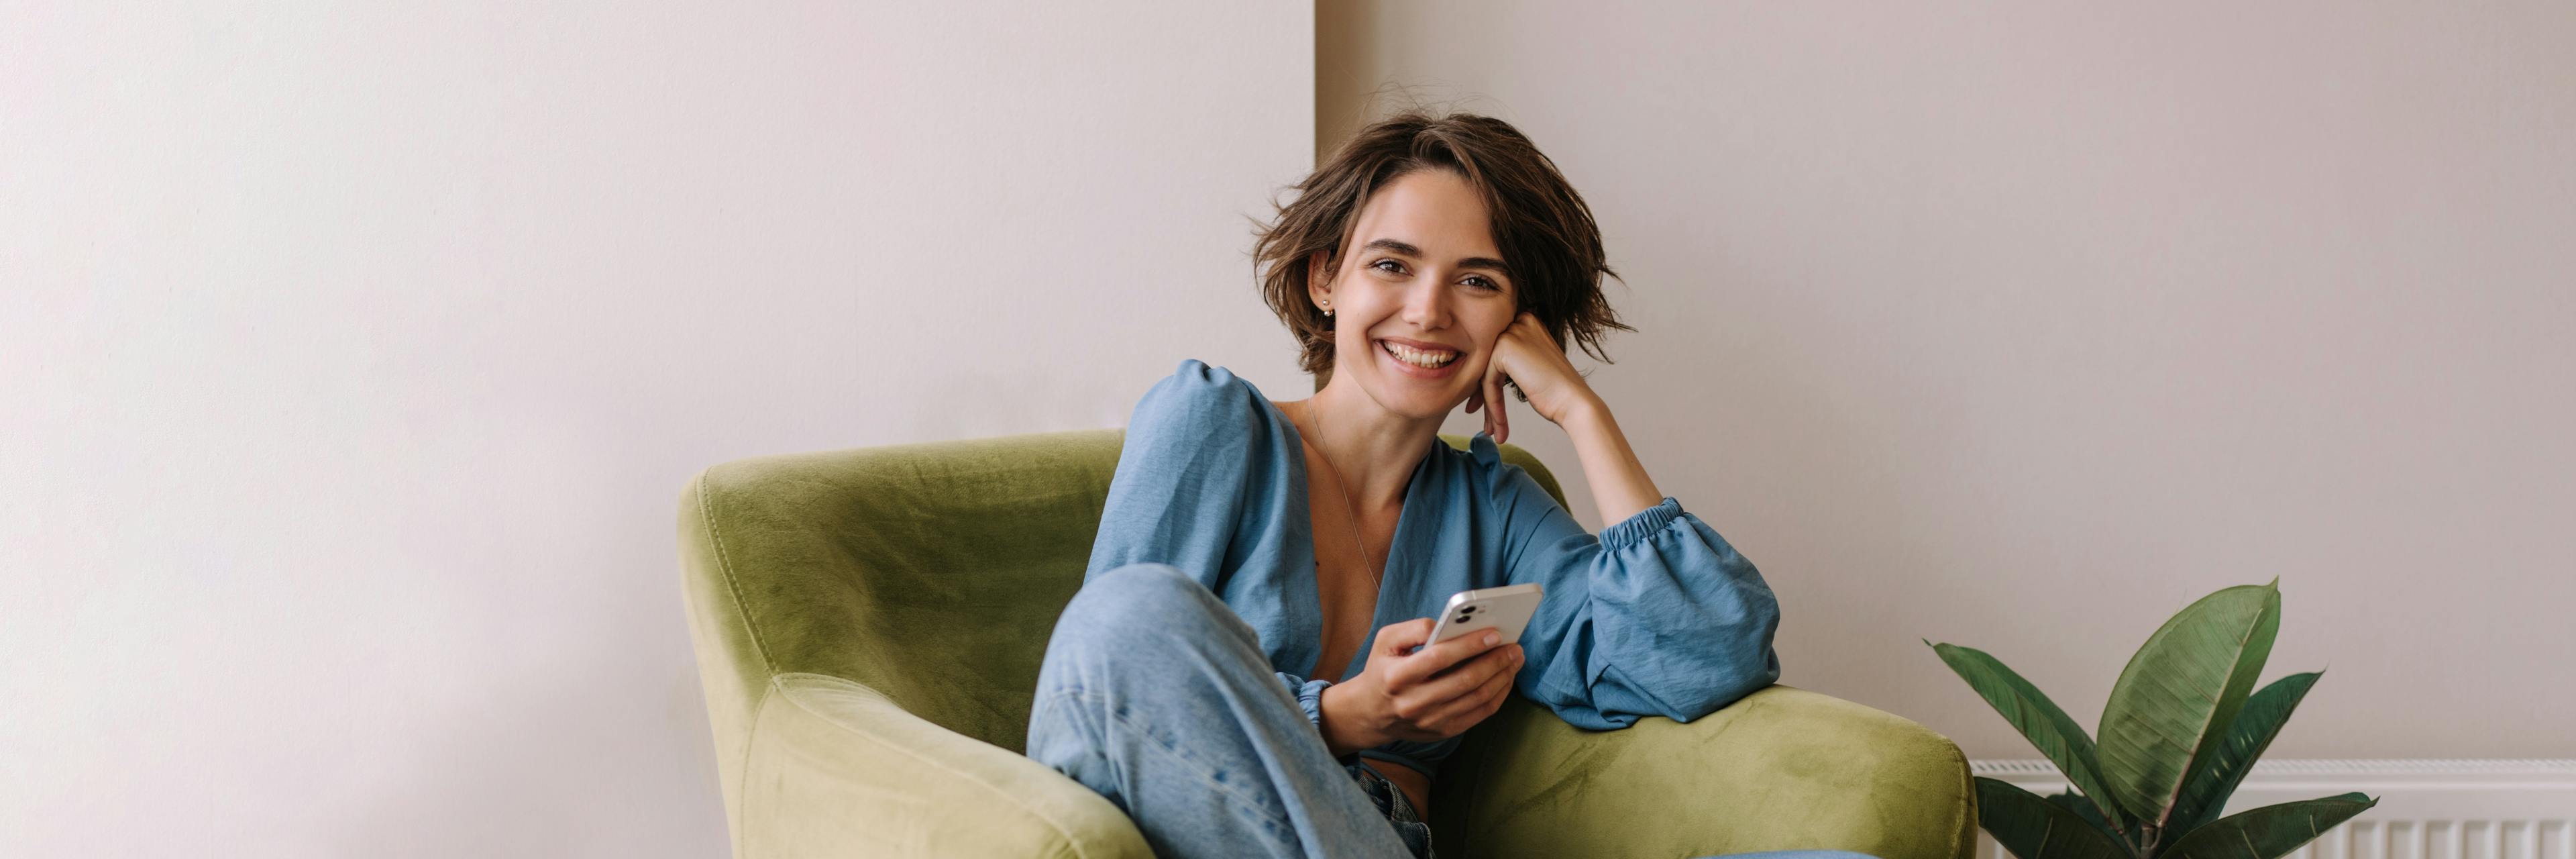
(1484, 284)
(1381, 266)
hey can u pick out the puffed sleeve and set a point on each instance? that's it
(1656, 616)
(1189, 478)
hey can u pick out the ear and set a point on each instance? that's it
(1319, 277)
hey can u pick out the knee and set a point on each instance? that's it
(1143, 606)
(1139, 585)
(1142, 592)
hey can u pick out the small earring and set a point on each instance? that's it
(1328, 311)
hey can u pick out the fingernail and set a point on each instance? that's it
(1492, 638)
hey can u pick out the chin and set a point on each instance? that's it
(1415, 398)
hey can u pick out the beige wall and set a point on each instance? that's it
(355, 353)
(354, 356)
(2023, 326)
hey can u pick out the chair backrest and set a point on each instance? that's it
(932, 573)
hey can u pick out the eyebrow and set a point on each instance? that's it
(1402, 249)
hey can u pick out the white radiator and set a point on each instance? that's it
(2428, 809)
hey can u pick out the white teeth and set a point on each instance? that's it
(1418, 358)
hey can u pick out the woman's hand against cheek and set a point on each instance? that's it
(1527, 356)
(1428, 695)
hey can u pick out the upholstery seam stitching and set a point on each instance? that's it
(759, 647)
(724, 564)
(1968, 795)
(742, 792)
(779, 682)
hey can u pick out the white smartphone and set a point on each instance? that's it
(1505, 610)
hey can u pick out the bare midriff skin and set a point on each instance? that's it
(1345, 586)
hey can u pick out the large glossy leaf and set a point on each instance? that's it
(2267, 832)
(2034, 828)
(2091, 813)
(2039, 719)
(2206, 792)
(2173, 703)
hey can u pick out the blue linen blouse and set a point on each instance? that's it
(1656, 616)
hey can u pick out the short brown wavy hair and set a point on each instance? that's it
(1545, 232)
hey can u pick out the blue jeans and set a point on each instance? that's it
(1156, 696)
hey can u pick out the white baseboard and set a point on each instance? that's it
(2428, 808)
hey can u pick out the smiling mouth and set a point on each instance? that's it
(1423, 358)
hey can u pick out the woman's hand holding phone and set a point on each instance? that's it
(1425, 695)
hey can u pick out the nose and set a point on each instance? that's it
(1426, 304)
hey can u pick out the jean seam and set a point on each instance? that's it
(1395, 800)
(1196, 768)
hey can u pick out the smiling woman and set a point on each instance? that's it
(1543, 242)
(1247, 669)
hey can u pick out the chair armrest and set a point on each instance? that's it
(836, 769)
(1780, 769)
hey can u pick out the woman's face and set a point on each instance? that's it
(1419, 296)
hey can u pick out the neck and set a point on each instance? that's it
(1375, 450)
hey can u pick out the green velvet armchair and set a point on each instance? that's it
(869, 625)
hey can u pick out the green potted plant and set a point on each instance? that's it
(2181, 730)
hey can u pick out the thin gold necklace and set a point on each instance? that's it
(1377, 580)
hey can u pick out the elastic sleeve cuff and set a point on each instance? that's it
(1310, 698)
(1642, 525)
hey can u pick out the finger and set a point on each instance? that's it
(1456, 651)
(1473, 703)
(1502, 692)
(1502, 424)
(1463, 678)
(1503, 686)
(1489, 413)
(1395, 638)
(1474, 398)
(1490, 388)
(1490, 697)
(1437, 657)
